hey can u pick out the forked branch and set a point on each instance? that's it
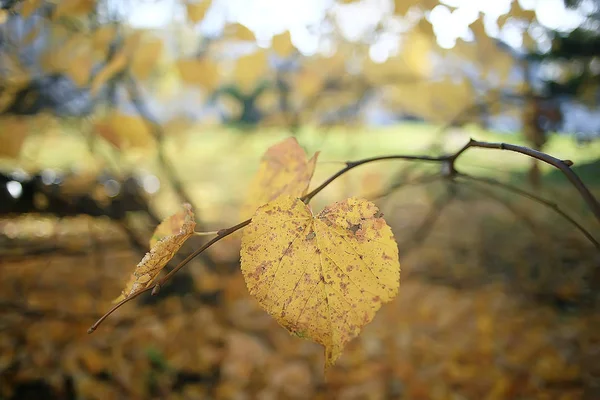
(448, 170)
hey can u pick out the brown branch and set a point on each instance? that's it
(563, 165)
(536, 198)
(422, 180)
(448, 170)
(156, 287)
(433, 215)
(521, 215)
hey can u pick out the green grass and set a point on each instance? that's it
(216, 163)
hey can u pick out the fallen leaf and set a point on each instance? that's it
(283, 170)
(166, 241)
(321, 277)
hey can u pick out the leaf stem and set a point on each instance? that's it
(209, 233)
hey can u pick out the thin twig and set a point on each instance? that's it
(156, 287)
(422, 180)
(536, 198)
(448, 170)
(563, 165)
(209, 233)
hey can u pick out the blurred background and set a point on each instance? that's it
(115, 112)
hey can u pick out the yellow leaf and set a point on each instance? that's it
(102, 37)
(321, 277)
(416, 52)
(28, 7)
(125, 131)
(283, 170)
(3, 16)
(12, 135)
(282, 44)
(68, 8)
(166, 241)
(306, 85)
(202, 72)
(240, 32)
(114, 66)
(80, 66)
(250, 68)
(197, 10)
(145, 58)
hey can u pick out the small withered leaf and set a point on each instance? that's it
(167, 239)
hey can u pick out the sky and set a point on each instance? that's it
(269, 17)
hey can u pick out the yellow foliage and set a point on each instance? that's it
(307, 84)
(401, 7)
(196, 10)
(125, 131)
(28, 7)
(283, 170)
(250, 68)
(240, 32)
(70, 8)
(80, 66)
(202, 72)
(516, 11)
(12, 135)
(416, 52)
(282, 44)
(114, 66)
(145, 57)
(268, 101)
(166, 241)
(102, 37)
(321, 277)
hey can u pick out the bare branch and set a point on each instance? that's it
(156, 287)
(536, 198)
(448, 171)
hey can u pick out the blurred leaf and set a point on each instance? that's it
(250, 68)
(145, 57)
(202, 72)
(283, 170)
(196, 10)
(282, 44)
(240, 32)
(416, 52)
(70, 8)
(167, 240)
(102, 38)
(124, 131)
(322, 277)
(12, 135)
(116, 65)
(28, 7)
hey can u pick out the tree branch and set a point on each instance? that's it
(536, 198)
(448, 170)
